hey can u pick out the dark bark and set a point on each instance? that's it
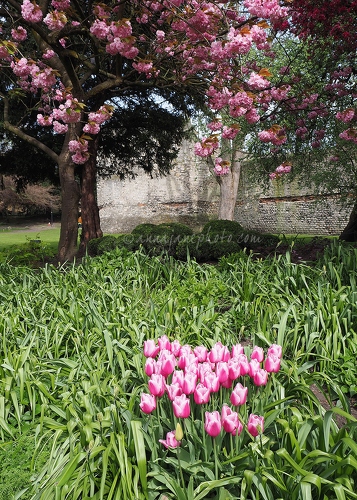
(89, 208)
(350, 231)
(67, 247)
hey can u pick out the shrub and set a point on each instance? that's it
(222, 226)
(253, 240)
(156, 239)
(201, 248)
(107, 243)
(92, 246)
(30, 253)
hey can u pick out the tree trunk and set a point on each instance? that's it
(67, 247)
(350, 231)
(89, 208)
(229, 189)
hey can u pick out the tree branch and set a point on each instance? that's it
(20, 133)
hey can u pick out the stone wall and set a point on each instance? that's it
(190, 195)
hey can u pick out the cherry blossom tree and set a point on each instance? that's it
(72, 57)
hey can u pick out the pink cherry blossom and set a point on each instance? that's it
(19, 34)
(59, 128)
(45, 121)
(31, 12)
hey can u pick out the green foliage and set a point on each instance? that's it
(228, 227)
(31, 253)
(203, 247)
(71, 375)
(18, 467)
(157, 239)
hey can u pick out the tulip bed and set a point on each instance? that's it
(133, 377)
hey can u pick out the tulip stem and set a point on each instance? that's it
(203, 433)
(215, 459)
(180, 468)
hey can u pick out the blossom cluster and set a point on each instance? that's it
(221, 166)
(189, 376)
(282, 169)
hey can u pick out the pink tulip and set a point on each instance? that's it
(164, 343)
(201, 394)
(201, 353)
(233, 369)
(213, 424)
(230, 421)
(219, 352)
(177, 377)
(173, 390)
(192, 368)
(272, 363)
(189, 383)
(222, 371)
(150, 365)
(255, 425)
(257, 354)
(243, 364)
(227, 384)
(276, 350)
(156, 385)
(204, 368)
(261, 377)
(239, 395)
(254, 366)
(211, 381)
(185, 350)
(147, 403)
(181, 406)
(186, 360)
(168, 363)
(170, 441)
(236, 350)
(176, 348)
(150, 349)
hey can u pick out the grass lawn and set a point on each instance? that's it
(9, 238)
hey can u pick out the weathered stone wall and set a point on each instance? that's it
(190, 195)
(287, 208)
